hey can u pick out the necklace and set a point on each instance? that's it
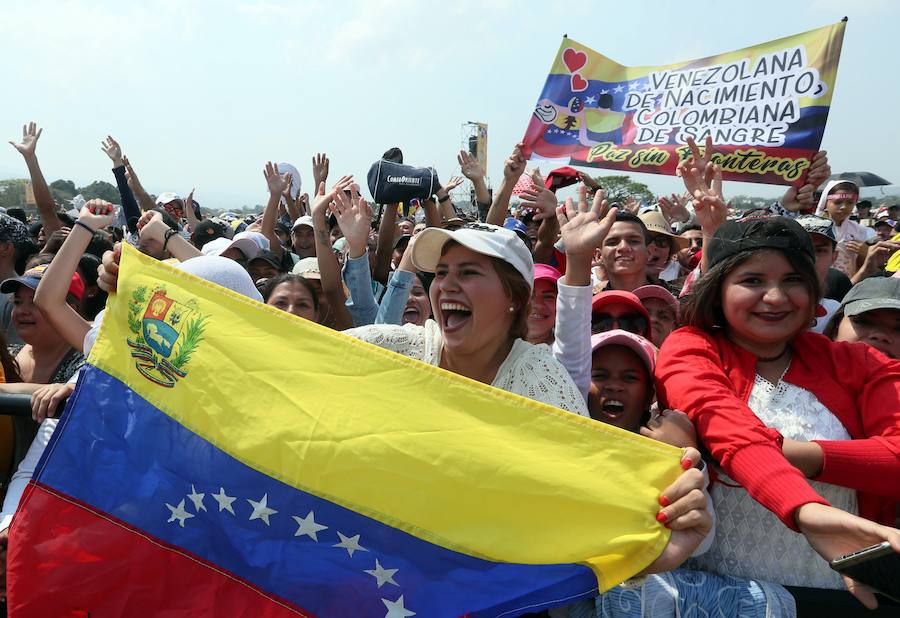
(772, 359)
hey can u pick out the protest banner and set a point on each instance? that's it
(765, 108)
(184, 477)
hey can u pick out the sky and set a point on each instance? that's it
(202, 94)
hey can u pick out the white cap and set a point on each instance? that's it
(258, 237)
(221, 245)
(307, 267)
(168, 196)
(482, 238)
(304, 220)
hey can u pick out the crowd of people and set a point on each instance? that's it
(767, 339)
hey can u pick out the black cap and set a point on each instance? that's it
(754, 233)
(269, 257)
(402, 240)
(206, 231)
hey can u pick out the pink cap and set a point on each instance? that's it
(545, 271)
(645, 350)
(657, 291)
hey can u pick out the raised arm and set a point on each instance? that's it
(152, 226)
(797, 198)
(277, 184)
(130, 207)
(43, 198)
(189, 214)
(543, 202)
(512, 169)
(329, 267)
(354, 217)
(142, 196)
(51, 293)
(385, 247)
(472, 170)
(703, 180)
(443, 195)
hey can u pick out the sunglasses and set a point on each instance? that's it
(661, 240)
(632, 322)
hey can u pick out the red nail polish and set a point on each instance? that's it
(661, 517)
(667, 525)
(663, 501)
(686, 464)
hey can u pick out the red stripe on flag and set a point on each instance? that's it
(65, 559)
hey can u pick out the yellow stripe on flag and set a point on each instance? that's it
(452, 461)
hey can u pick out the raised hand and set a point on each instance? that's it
(152, 227)
(703, 180)
(323, 200)
(583, 228)
(97, 214)
(515, 163)
(469, 166)
(795, 197)
(674, 209)
(112, 149)
(631, 205)
(454, 182)
(833, 533)
(354, 217)
(133, 181)
(541, 200)
(686, 515)
(320, 168)
(30, 135)
(588, 181)
(672, 427)
(108, 271)
(277, 183)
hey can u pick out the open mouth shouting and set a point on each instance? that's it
(454, 316)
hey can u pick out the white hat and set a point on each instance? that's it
(304, 220)
(482, 238)
(165, 198)
(307, 267)
(258, 237)
(221, 245)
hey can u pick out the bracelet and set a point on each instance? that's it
(168, 236)
(441, 200)
(85, 226)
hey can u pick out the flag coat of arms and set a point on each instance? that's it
(219, 457)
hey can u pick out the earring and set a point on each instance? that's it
(511, 309)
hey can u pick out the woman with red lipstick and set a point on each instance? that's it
(806, 431)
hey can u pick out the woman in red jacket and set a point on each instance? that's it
(804, 430)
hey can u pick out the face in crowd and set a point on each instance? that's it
(662, 319)
(303, 241)
(825, 255)
(418, 305)
(687, 255)
(471, 303)
(620, 392)
(765, 300)
(624, 250)
(658, 253)
(542, 312)
(841, 202)
(294, 297)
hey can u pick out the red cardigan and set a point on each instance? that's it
(710, 379)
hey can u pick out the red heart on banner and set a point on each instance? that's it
(574, 59)
(579, 83)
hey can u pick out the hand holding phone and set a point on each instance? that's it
(877, 566)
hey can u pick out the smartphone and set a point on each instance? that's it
(877, 566)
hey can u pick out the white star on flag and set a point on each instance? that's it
(178, 513)
(197, 499)
(382, 575)
(633, 86)
(224, 501)
(308, 526)
(590, 100)
(619, 88)
(604, 92)
(261, 510)
(350, 543)
(396, 609)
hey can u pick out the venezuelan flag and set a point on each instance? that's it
(222, 458)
